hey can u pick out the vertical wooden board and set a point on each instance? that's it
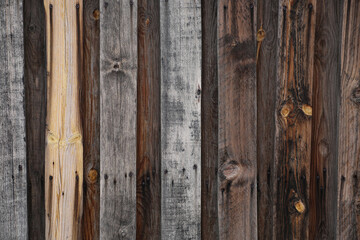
(293, 117)
(35, 95)
(148, 177)
(209, 121)
(118, 91)
(13, 200)
(64, 145)
(348, 217)
(180, 27)
(237, 119)
(326, 83)
(267, 25)
(90, 113)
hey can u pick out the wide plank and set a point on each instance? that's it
(13, 199)
(180, 27)
(118, 94)
(237, 197)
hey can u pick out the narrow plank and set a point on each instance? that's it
(237, 119)
(13, 200)
(267, 19)
(64, 147)
(180, 27)
(148, 172)
(348, 217)
(209, 121)
(326, 82)
(90, 113)
(35, 95)
(293, 117)
(118, 91)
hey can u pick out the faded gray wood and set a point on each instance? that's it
(180, 27)
(118, 90)
(13, 208)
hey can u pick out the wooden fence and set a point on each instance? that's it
(179, 119)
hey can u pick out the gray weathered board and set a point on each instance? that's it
(180, 27)
(118, 77)
(13, 210)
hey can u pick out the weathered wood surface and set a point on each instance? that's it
(35, 105)
(64, 147)
(293, 117)
(180, 27)
(348, 216)
(118, 94)
(90, 113)
(237, 197)
(148, 184)
(326, 83)
(13, 199)
(267, 27)
(209, 121)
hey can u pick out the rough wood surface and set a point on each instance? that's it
(148, 178)
(209, 121)
(90, 113)
(64, 147)
(237, 119)
(180, 27)
(323, 175)
(35, 92)
(348, 217)
(118, 91)
(293, 117)
(13, 199)
(267, 25)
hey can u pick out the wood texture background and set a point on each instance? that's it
(199, 119)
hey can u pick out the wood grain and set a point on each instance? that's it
(35, 95)
(326, 83)
(90, 113)
(148, 178)
(180, 27)
(64, 145)
(13, 199)
(348, 217)
(293, 117)
(209, 121)
(118, 94)
(267, 23)
(237, 197)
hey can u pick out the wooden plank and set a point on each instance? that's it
(180, 27)
(64, 147)
(13, 200)
(118, 91)
(148, 172)
(326, 82)
(209, 122)
(267, 19)
(90, 113)
(293, 117)
(348, 217)
(237, 119)
(35, 94)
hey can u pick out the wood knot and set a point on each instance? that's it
(285, 111)
(92, 175)
(307, 110)
(260, 34)
(231, 170)
(96, 14)
(299, 206)
(355, 95)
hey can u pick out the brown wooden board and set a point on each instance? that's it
(237, 197)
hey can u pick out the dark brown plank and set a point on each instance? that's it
(148, 179)
(237, 119)
(209, 122)
(293, 117)
(267, 24)
(35, 94)
(323, 176)
(90, 113)
(348, 216)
